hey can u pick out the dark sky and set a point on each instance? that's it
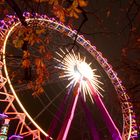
(106, 20)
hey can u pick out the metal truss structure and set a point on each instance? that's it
(9, 99)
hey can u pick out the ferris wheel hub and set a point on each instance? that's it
(82, 71)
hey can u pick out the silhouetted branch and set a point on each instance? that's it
(16, 8)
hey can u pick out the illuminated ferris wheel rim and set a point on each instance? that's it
(52, 24)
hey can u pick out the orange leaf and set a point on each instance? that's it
(40, 31)
(39, 62)
(39, 80)
(18, 43)
(31, 37)
(53, 2)
(42, 49)
(39, 91)
(26, 54)
(59, 12)
(26, 63)
(82, 3)
(73, 10)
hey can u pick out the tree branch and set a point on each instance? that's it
(16, 8)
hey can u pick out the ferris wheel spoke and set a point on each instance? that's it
(49, 104)
(20, 87)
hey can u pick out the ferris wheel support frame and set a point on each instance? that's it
(106, 117)
(67, 123)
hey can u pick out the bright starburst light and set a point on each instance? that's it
(77, 71)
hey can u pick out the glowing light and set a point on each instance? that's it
(71, 117)
(77, 71)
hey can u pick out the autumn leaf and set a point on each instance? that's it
(73, 10)
(26, 63)
(18, 38)
(53, 2)
(59, 12)
(38, 40)
(30, 39)
(40, 31)
(39, 90)
(26, 54)
(39, 80)
(42, 49)
(82, 3)
(18, 43)
(39, 62)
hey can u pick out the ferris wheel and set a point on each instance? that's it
(76, 90)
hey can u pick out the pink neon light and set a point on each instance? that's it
(71, 117)
(107, 118)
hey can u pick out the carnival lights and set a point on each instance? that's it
(78, 71)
